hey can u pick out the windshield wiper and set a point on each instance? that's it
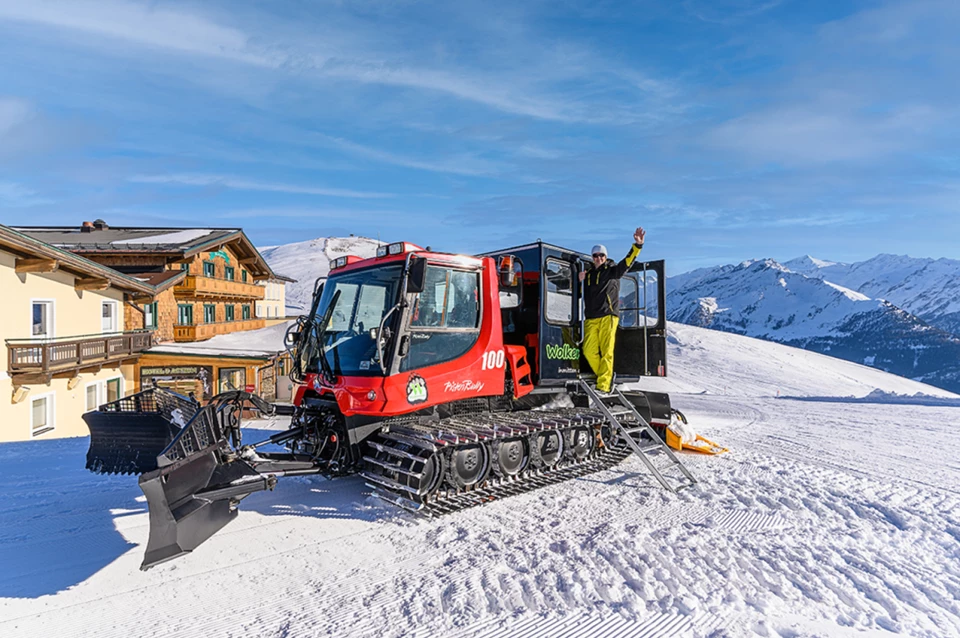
(381, 337)
(325, 368)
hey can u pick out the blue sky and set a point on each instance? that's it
(729, 129)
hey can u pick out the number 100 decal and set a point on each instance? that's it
(493, 359)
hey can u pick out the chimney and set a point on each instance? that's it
(86, 227)
(99, 224)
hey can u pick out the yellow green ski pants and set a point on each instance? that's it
(598, 341)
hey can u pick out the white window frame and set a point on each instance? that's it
(51, 399)
(101, 386)
(52, 328)
(101, 391)
(116, 315)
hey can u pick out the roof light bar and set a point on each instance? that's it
(396, 248)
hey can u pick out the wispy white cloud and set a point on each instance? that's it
(276, 212)
(489, 93)
(237, 183)
(544, 87)
(457, 165)
(141, 23)
(831, 218)
(725, 12)
(819, 133)
(539, 152)
(898, 29)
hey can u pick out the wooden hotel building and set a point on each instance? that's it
(195, 284)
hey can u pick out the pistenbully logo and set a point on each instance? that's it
(463, 386)
(416, 389)
(564, 352)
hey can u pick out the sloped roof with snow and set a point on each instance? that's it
(263, 343)
(102, 239)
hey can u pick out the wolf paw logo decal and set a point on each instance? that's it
(416, 389)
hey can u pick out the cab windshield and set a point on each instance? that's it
(364, 298)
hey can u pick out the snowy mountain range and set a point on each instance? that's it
(927, 288)
(306, 261)
(895, 313)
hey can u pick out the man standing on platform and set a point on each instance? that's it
(601, 299)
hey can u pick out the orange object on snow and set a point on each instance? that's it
(680, 436)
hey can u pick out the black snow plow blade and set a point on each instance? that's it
(191, 475)
(198, 483)
(192, 499)
(128, 435)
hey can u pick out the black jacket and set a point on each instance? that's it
(601, 286)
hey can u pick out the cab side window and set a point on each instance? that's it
(444, 322)
(629, 302)
(559, 297)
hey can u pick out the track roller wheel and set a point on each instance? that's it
(547, 448)
(432, 471)
(510, 457)
(608, 436)
(423, 475)
(580, 442)
(468, 465)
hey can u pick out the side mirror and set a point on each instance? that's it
(509, 271)
(291, 337)
(374, 333)
(417, 278)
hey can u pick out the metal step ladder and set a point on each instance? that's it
(650, 448)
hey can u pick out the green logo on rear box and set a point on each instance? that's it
(564, 352)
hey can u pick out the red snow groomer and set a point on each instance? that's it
(445, 380)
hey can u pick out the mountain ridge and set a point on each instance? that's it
(825, 306)
(309, 260)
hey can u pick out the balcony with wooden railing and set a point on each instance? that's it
(38, 360)
(197, 287)
(203, 331)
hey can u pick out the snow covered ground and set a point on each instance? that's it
(837, 513)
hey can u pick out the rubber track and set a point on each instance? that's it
(486, 427)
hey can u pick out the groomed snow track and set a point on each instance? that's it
(414, 466)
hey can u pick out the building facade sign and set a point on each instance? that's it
(195, 380)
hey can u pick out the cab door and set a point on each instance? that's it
(559, 347)
(641, 345)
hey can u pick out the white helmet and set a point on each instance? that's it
(598, 249)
